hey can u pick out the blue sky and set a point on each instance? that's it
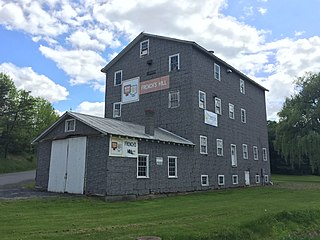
(56, 48)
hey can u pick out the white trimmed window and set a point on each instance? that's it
(203, 145)
(143, 166)
(233, 150)
(245, 151)
(264, 154)
(174, 99)
(243, 115)
(219, 147)
(172, 167)
(242, 87)
(202, 99)
(217, 104)
(266, 178)
(231, 111)
(70, 125)
(144, 48)
(204, 180)
(255, 153)
(216, 70)
(117, 109)
(220, 180)
(257, 178)
(174, 62)
(117, 78)
(235, 179)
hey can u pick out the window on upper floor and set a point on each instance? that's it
(264, 154)
(231, 111)
(144, 48)
(117, 109)
(255, 153)
(174, 99)
(243, 115)
(245, 151)
(203, 145)
(235, 179)
(219, 147)
(216, 70)
(202, 100)
(172, 167)
(174, 62)
(233, 151)
(204, 180)
(117, 78)
(242, 87)
(220, 180)
(217, 104)
(70, 125)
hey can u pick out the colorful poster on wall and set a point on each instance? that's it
(130, 90)
(123, 147)
(210, 118)
(154, 85)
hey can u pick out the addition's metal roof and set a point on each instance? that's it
(115, 127)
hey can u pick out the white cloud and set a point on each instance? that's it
(299, 33)
(91, 108)
(39, 85)
(83, 66)
(262, 11)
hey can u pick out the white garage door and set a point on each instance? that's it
(67, 165)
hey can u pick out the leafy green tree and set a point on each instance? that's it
(298, 130)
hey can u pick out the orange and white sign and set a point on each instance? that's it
(154, 85)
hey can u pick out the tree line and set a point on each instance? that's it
(22, 118)
(294, 141)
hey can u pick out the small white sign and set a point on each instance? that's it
(210, 118)
(130, 90)
(123, 147)
(159, 160)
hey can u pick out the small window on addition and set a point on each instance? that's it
(234, 179)
(220, 180)
(257, 178)
(144, 48)
(204, 180)
(70, 125)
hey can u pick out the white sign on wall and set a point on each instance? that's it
(210, 118)
(130, 90)
(123, 147)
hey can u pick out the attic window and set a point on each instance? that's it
(117, 78)
(174, 62)
(70, 125)
(144, 48)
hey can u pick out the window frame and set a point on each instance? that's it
(255, 153)
(264, 154)
(115, 78)
(170, 105)
(245, 150)
(113, 110)
(66, 125)
(217, 70)
(206, 144)
(175, 167)
(257, 178)
(204, 103)
(231, 111)
(217, 111)
(147, 166)
(141, 43)
(243, 115)
(266, 178)
(237, 179)
(218, 142)
(235, 155)
(207, 180)
(242, 86)
(172, 56)
(223, 182)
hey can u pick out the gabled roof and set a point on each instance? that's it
(194, 44)
(109, 126)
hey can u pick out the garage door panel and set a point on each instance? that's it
(76, 165)
(57, 168)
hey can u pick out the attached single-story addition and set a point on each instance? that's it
(91, 155)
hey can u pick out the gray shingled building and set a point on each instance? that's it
(177, 118)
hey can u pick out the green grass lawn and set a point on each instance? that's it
(274, 212)
(15, 163)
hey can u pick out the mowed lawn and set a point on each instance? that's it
(288, 210)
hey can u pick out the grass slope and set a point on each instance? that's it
(252, 213)
(16, 163)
